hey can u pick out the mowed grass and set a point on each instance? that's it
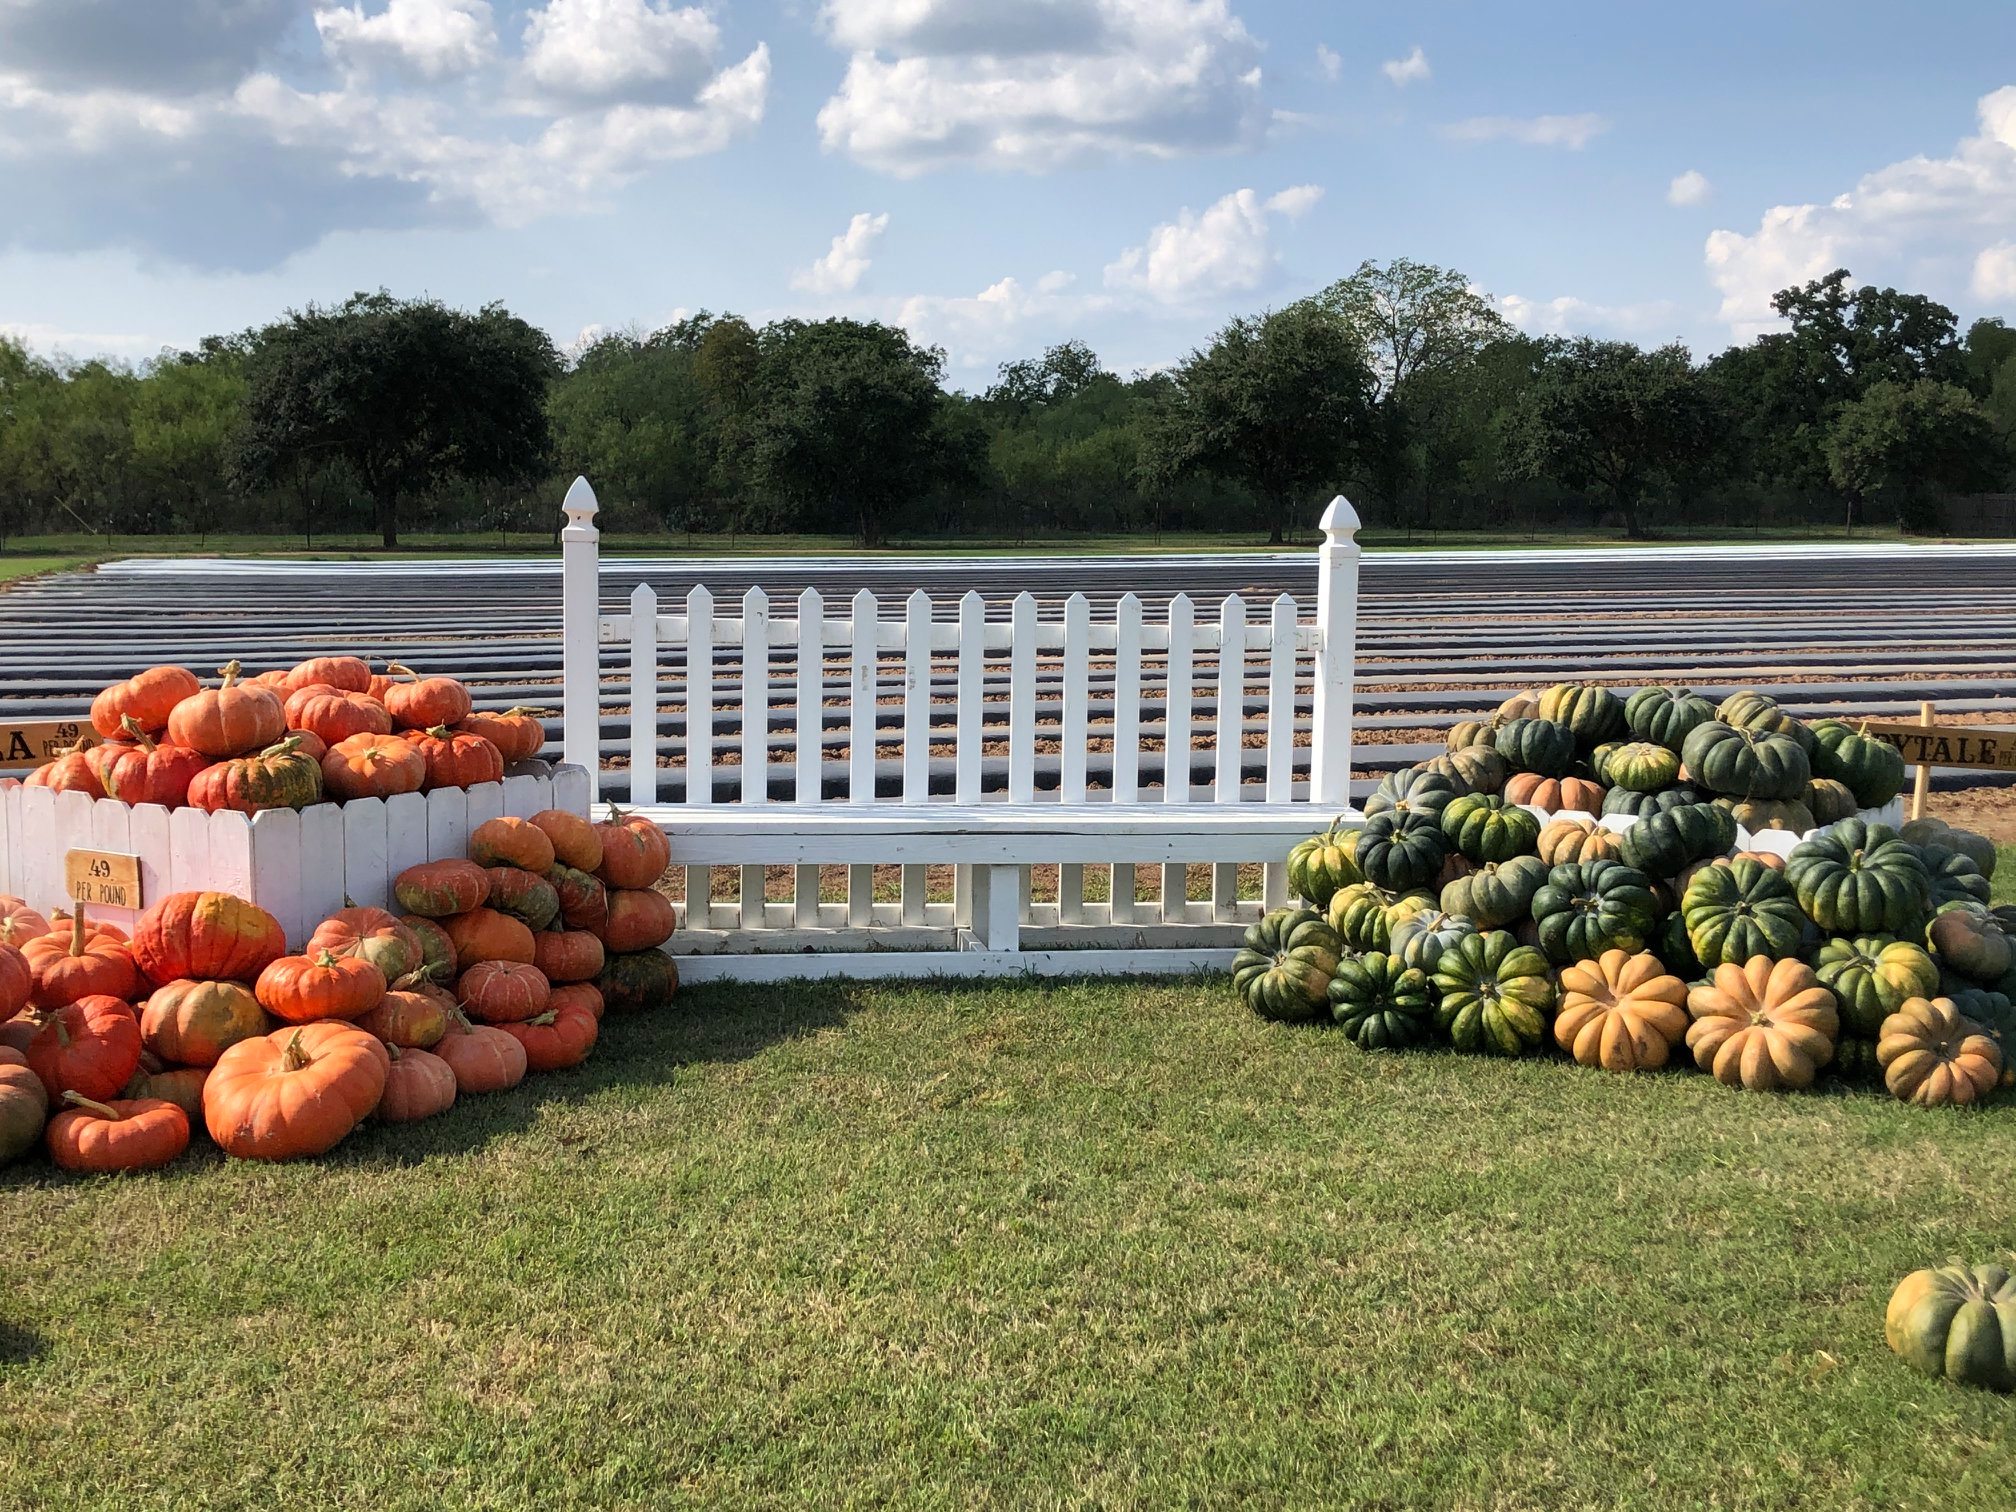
(1018, 1245)
(14, 568)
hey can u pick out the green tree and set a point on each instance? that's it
(185, 420)
(1911, 442)
(1609, 416)
(409, 394)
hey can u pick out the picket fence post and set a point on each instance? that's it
(1336, 655)
(581, 635)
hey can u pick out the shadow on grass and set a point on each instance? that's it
(20, 1345)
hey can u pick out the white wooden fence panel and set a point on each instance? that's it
(755, 696)
(112, 830)
(972, 669)
(322, 873)
(699, 697)
(189, 866)
(916, 701)
(1127, 699)
(862, 685)
(811, 693)
(406, 834)
(447, 822)
(152, 832)
(73, 826)
(486, 802)
(1022, 700)
(366, 873)
(643, 696)
(1077, 698)
(276, 860)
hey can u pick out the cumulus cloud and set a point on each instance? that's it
(1329, 62)
(1995, 273)
(432, 38)
(1568, 315)
(154, 46)
(1032, 86)
(1690, 188)
(1571, 131)
(1922, 206)
(1226, 250)
(619, 49)
(845, 260)
(1411, 69)
(977, 329)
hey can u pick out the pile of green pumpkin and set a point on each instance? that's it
(1485, 901)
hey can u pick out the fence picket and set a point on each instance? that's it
(189, 850)
(861, 693)
(321, 842)
(405, 832)
(749, 899)
(1022, 699)
(1177, 700)
(1126, 699)
(811, 675)
(154, 844)
(365, 854)
(916, 701)
(699, 695)
(972, 671)
(1281, 701)
(699, 897)
(1077, 696)
(112, 830)
(276, 861)
(755, 774)
(1231, 698)
(643, 695)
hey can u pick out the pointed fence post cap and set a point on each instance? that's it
(1340, 519)
(579, 506)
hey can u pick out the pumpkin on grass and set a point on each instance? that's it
(281, 776)
(1379, 1001)
(517, 733)
(418, 1085)
(502, 992)
(206, 935)
(24, 1106)
(192, 1023)
(635, 851)
(576, 842)
(1495, 995)
(1933, 1056)
(373, 935)
(421, 703)
(648, 979)
(584, 995)
(135, 769)
(484, 934)
(456, 761)
(180, 1085)
(408, 1016)
(638, 920)
(230, 720)
(439, 889)
(335, 715)
(124, 1134)
(1871, 977)
(555, 1039)
(1974, 942)
(90, 1046)
(483, 1059)
(295, 1092)
(80, 961)
(373, 766)
(146, 699)
(305, 988)
(1762, 1026)
(1621, 1012)
(1957, 1322)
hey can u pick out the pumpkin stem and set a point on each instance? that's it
(286, 747)
(402, 669)
(394, 1051)
(293, 1058)
(77, 927)
(140, 737)
(101, 1109)
(440, 732)
(229, 672)
(542, 1020)
(524, 709)
(326, 959)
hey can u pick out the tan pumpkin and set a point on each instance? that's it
(1576, 837)
(1622, 1012)
(1932, 1055)
(1763, 1026)
(419, 1085)
(576, 842)
(1555, 794)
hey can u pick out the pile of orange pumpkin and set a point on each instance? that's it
(114, 1048)
(327, 730)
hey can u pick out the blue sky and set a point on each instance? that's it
(994, 174)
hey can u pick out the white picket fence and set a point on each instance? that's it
(300, 866)
(757, 690)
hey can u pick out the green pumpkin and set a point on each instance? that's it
(1665, 716)
(1592, 714)
(1380, 1001)
(1973, 943)
(1939, 832)
(1955, 877)
(1471, 732)
(1623, 801)
(1363, 914)
(1744, 763)
(1400, 849)
(1414, 789)
(1958, 1322)
(1759, 814)
(1642, 766)
(1588, 907)
(1283, 967)
(1539, 746)
(1751, 710)
(1599, 761)
(1858, 878)
(1996, 1017)
(1855, 1059)
(1496, 995)
(1739, 910)
(1484, 827)
(1497, 893)
(1666, 843)
(1419, 939)
(1479, 768)
(1829, 802)
(1675, 950)
(1873, 770)
(637, 980)
(1320, 865)
(1871, 977)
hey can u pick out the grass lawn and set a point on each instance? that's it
(2004, 880)
(1018, 1245)
(16, 567)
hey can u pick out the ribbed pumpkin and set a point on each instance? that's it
(557, 1038)
(1360, 915)
(422, 703)
(1973, 942)
(1537, 745)
(1419, 939)
(1828, 802)
(1929, 831)
(1994, 1015)
(585, 995)
(1400, 849)
(517, 733)
(24, 1108)
(180, 1085)
(301, 989)
(1592, 714)
(1664, 844)
(281, 776)
(418, 1085)
(1591, 908)
(122, 1134)
(407, 1017)
(1415, 789)
(523, 895)
(147, 698)
(1954, 877)
(192, 1023)
(1760, 814)
(1485, 828)
(567, 955)
(511, 842)
(1957, 1322)
(638, 920)
(1745, 763)
(1857, 878)
(644, 979)
(502, 992)
(484, 1059)
(1666, 716)
(437, 951)
(1934, 1057)
(1642, 766)
(72, 772)
(1282, 969)
(1380, 1002)
(17, 981)
(1495, 994)
(635, 851)
(372, 766)
(1740, 911)
(78, 961)
(1470, 732)
(1622, 801)
(1479, 768)
(1497, 893)
(438, 889)
(457, 761)
(584, 899)
(1763, 1026)
(135, 769)
(1575, 838)
(206, 936)
(1555, 794)
(229, 720)
(1620, 1012)
(19, 923)
(294, 1093)
(576, 842)
(484, 934)
(1321, 864)
(1871, 977)
(1751, 710)
(90, 1046)
(370, 934)
(336, 715)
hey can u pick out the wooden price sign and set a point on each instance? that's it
(106, 878)
(38, 742)
(1926, 745)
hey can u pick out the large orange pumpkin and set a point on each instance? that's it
(24, 1106)
(283, 775)
(457, 761)
(635, 851)
(192, 1023)
(336, 715)
(483, 1059)
(17, 981)
(638, 920)
(418, 1086)
(72, 772)
(567, 955)
(438, 889)
(125, 1134)
(517, 735)
(19, 923)
(137, 770)
(81, 961)
(90, 1046)
(373, 935)
(345, 673)
(373, 766)
(1622, 1012)
(295, 1092)
(147, 698)
(584, 900)
(555, 1039)
(301, 989)
(421, 703)
(503, 992)
(231, 720)
(511, 842)
(206, 935)
(483, 934)
(1763, 1026)
(1555, 794)
(576, 842)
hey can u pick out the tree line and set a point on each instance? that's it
(1399, 385)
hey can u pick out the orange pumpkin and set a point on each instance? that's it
(511, 842)
(1555, 794)
(503, 992)
(1576, 837)
(439, 889)
(24, 1106)
(408, 1017)
(81, 961)
(295, 1092)
(1933, 1055)
(436, 949)
(584, 900)
(517, 735)
(192, 1023)
(19, 923)
(375, 936)
(635, 851)
(576, 842)
(418, 1086)
(126, 1134)
(373, 766)
(17, 981)
(483, 1059)
(137, 770)
(1622, 1012)
(147, 698)
(301, 989)
(335, 715)
(421, 703)
(283, 775)
(232, 720)
(206, 935)
(484, 934)
(345, 673)
(1763, 1026)
(72, 772)
(638, 920)
(90, 1046)
(580, 995)
(555, 1039)
(567, 955)
(457, 761)
(180, 1085)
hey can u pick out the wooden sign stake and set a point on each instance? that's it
(1923, 785)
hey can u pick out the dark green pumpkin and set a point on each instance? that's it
(1380, 1001)
(1993, 1011)
(1956, 1322)
(1666, 843)
(1320, 865)
(1665, 715)
(1419, 939)
(1497, 893)
(1479, 768)
(1739, 910)
(1746, 763)
(1675, 950)
(1414, 789)
(1539, 746)
(1829, 801)
(1591, 713)
(1363, 913)
(1400, 849)
(1871, 769)
(1496, 996)
(1588, 907)
(1283, 966)
(1751, 710)
(1623, 801)
(1871, 977)
(1855, 1058)
(1859, 878)
(1484, 827)
(637, 979)
(1759, 814)
(1955, 877)
(1938, 832)
(1471, 732)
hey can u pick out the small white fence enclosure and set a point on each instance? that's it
(933, 714)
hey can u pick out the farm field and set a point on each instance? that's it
(1019, 1245)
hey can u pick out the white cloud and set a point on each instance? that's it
(1567, 315)
(618, 49)
(1995, 273)
(1690, 188)
(977, 329)
(432, 38)
(1032, 86)
(1927, 208)
(1055, 281)
(1226, 250)
(1411, 69)
(1571, 131)
(56, 339)
(846, 260)
(1330, 62)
